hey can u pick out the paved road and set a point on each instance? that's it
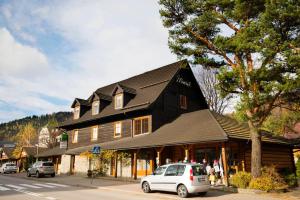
(13, 188)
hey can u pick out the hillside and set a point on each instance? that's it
(9, 129)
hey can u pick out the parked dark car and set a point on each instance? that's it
(41, 168)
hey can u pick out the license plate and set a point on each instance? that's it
(201, 179)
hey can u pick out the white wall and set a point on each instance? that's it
(65, 164)
(125, 171)
(81, 165)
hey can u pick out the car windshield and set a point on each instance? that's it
(47, 164)
(198, 170)
(160, 170)
(11, 165)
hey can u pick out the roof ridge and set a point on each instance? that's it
(152, 70)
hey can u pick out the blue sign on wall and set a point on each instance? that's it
(96, 150)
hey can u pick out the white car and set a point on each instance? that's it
(8, 168)
(183, 178)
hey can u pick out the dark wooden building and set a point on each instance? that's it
(162, 115)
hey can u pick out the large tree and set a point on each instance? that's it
(256, 43)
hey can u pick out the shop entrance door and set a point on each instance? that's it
(208, 154)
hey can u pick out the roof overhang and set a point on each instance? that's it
(195, 127)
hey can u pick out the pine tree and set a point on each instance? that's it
(256, 45)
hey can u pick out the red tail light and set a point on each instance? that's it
(191, 175)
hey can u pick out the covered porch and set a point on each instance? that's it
(193, 137)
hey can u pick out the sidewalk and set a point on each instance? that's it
(96, 183)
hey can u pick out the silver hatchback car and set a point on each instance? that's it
(183, 178)
(41, 168)
(8, 168)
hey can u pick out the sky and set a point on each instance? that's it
(54, 51)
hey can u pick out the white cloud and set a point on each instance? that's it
(18, 59)
(108, 41)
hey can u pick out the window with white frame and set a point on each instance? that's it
(75, 136)
(95, 107)
(119, 101)
(118, 129)
(142, 125)
(76, 112)
(94, 135)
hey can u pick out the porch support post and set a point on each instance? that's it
(186, 153)
(187, 149)
(135, 165)
(243, 165)
(116, 164)
(158, 155)
(293, 161)
(225, 166)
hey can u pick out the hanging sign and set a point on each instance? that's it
(63, 144)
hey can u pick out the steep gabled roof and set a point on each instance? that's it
(30, 151)
(124, 89)
(147, 86)
(99, 96)
(8, 152)
(80, 102)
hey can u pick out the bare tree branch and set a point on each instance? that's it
(208, 83)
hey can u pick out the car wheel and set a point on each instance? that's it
(28, 174)
(38, 174)
(146, 187)
(182, 191)
(53, 175)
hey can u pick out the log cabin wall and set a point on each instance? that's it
(278, 155)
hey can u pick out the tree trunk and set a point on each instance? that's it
(255, 151)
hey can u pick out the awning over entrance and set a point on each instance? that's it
(194, 127)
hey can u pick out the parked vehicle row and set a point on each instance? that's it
(183, 178)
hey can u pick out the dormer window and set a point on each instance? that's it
(76, 112)
(118, 101)
(95, 107)
(122, 95)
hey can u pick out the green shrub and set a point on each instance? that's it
(270, 180)
(298, 168)
(289, 177)
(240, 179)
(291, 180)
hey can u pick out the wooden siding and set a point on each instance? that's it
(167, 106)
(106, 131)
(105, 134)
(280, 156)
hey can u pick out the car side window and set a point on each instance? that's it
(159, 171)
(180, 170)
(171, 171)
